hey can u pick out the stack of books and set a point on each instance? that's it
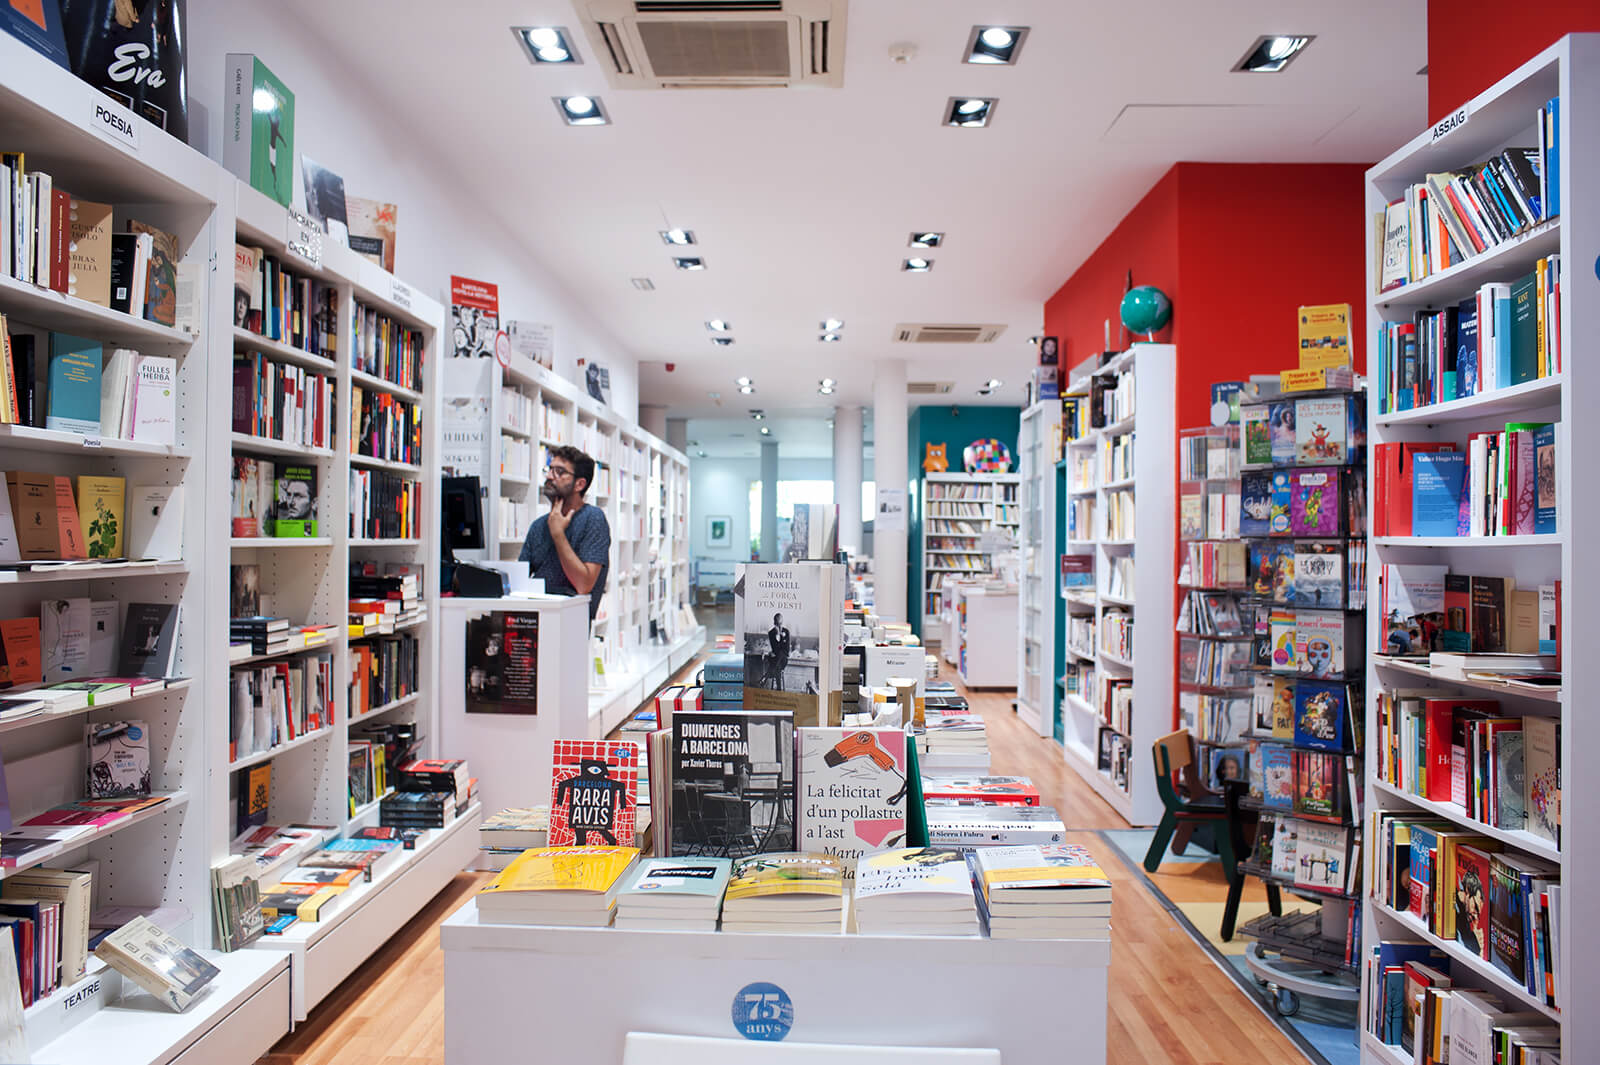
(989, 790)
(569, 886)
(915, 891)
(506, 834)
(674, 894)
(953, 738)
(1056, 891)
(957, 823)
(264, 635)
(722, 686)
(785, 892)
(417, 809)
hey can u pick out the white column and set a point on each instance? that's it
(769, 501)
(677, 434)
(889, 471)
(847, 475)
(653, 419)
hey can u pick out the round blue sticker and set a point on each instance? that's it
(763, 1011)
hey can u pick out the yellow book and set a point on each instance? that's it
(1324, 336)
(305, 901)
(563, 869)
(1315, 379)
(1032, 866)
(792, 873)
(100, 510)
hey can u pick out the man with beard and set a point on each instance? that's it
(570, 547)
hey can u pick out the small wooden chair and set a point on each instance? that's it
(1188, 804)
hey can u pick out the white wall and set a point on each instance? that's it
(349, 127)
(722, 487)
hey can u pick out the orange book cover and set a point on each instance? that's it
(68, 527)
(22, 664)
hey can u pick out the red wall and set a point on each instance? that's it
(1498, 41)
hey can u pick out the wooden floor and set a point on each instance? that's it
(1169, 1003)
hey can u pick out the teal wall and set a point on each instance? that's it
(955, 427)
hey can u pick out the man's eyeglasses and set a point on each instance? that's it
(557, 471)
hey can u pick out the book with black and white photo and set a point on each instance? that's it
(813, 533)
(790, 625)
(149, 640)
(733, 782)
(244, 590)
(294, 490)
(158, 962)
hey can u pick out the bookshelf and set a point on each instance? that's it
(642, 632)
(958, 508)
(1102, 512)
(1504, 115)
(1037, 441)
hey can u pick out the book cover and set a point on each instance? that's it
(852, 792)
(732, 779)
(1541, 770)
(149, 640)
(1544, 461)
(1277, 771)
(1278, 522)
(118, 759)
(100, 508)
(153, 403)
(246, 301)
(37, 24)
(1316, 503)
(1281, 425)
(1283, 689)
(295, 501)
(1256, 431)
(1321, 854)
(89, 263)
(1525, 310)
(559, 870)
(255, 796)
(249, 505)
(1224, 764)
(1321, 427)
(155, 522)
(1507, 914)
(244, 590)
(73, 401)
(325, 199)
(1414, 608)
(372, 235)
(103, 637)
(914, 880)
(791, 631)
(161, 274)
(1319, 579)
(1470, 898)
(1272, 571)
(64, 634)
(1285, 649)
(258, 125)
(1283, 847)
(1322, 643)
(1319, 713)
(1324, 336)
(23, 663)
(593, 792)
(1041, 873)
(1255, 503)
(662, 883)
(69, 531)
(781, 874)
(158, 962)
(1490, 597)
(1438, 481)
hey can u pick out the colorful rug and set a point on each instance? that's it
(1192, 888)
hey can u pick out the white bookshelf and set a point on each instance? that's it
(641, 484)
(957, 509)
(1153, 430)
(1039, 579)
(1505, 115)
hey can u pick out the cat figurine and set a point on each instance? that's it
(935, 461)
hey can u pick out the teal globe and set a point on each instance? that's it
(1146, 309)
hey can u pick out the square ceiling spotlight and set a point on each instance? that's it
(925, 240)
(677, 236)
(917, 266)
(546, 44)
(993, 45)
(689, 263)
(1270, 54)
(971, 111)
(582, 110)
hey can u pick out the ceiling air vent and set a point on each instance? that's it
(720, 44)
(929, 388)
(925, 333)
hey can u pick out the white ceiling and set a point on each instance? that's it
(799, 432)
(802, 200)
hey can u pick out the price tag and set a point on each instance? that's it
(112, 120)
(400, 293)
(1449, 124)
(304, 237)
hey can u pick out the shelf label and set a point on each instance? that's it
(1449, 124)
(82, 995)
(763, 1012)
(400, 293)
(114, 121)
(303, 237)
(91, 441)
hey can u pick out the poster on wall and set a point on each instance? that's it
(534, 341)
(474, 317)
(502, 661)
(596, 380)
(890, 513)
(464, 427)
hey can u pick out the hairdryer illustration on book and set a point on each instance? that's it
(864, 745)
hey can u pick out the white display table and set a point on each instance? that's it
(510, 753)
(986, 635)
(581, 990)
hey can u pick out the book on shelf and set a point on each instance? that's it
(73, 390)
(236, 902)
(785, 891)
(558, 886)
(682, 894)
(149, 640)
(117, 760)
(295, 501)
(372, 226)
(305, 902)
(258, 113)
(158, 962)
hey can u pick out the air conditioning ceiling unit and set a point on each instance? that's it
(716, 44)
(947, 333)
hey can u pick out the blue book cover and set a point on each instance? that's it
(1279, 519)
(74, 403)
(725, 667)
(1502, 336)
(1544, 464)
(1255, 503)
(1467, 348)
(720, 690)
(37, 25)
(1319, 710)
(1438, 479)
(1393, 956)
(1552, 161)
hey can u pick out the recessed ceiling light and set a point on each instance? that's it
(717, 325)
(546, 44)
(995, 44)
(699, 454)
(643, 284)
(970, 110)
(747, 389)
(917, 266)
(766, 430)
(757, 413)
(989, 386)
(722, 341)
(582, 110)
(829, 338)
(830, 325)
(676, 236)
(741, 381)
(1270, 54)
(925, 240)
(824, 391)
(689, 263)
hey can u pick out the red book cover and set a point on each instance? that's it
(60, 239)
(1441, 717)
(1471, 899)
(594, 786)
(1018, 791)
(24, 663)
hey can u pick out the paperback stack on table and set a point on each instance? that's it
(785, 892)
(571, 886)
(952, 739)
(722, 686)
(674, 894)
(1057, 891)
(506, 834)
(955, 823)
(995, 790)
(915, 891)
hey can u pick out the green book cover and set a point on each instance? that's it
(259, 128)
(74, 393)
(1524, 330)
(295, 501)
